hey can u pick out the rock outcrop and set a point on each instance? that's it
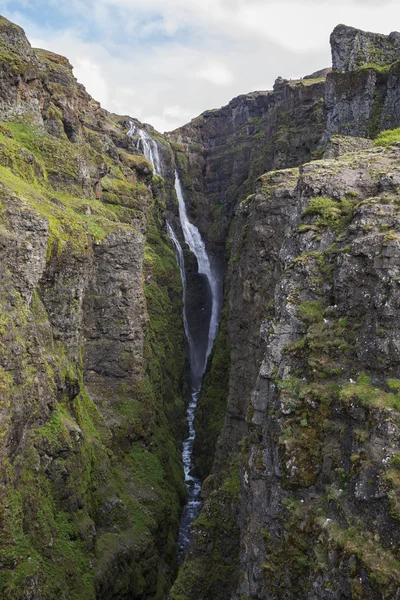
(353, 48)
(362, 92)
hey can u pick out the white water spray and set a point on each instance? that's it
(195, 242)
(148, 146)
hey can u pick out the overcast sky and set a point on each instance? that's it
(166, 61)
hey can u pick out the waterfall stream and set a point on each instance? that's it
(148, 146)
(198, 366)
(198, 355)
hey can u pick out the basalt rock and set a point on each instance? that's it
(91, 404)
(312, 411)
(362, 90)
(221, 153)
(353, 48)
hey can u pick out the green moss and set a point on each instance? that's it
(312, 81)
(125, 483)
(366, 394)
(72, 217)
(374, 121)
(11, 59)
(349, 83)
(289, 547)
(121, 193)
(382, 567)
(382, 69)
(213, 565)
(311, 312)
(387, 138)
(331, 213)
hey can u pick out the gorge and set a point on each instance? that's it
(198, 352)
(231, 289)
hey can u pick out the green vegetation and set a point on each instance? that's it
(213, 564)
(382, 69)
(366, 394)
(311, 312)
(374, 121)
(382, 567)
(97, 481)
(330, 213)
(387, 138)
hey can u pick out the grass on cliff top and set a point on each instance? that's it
(388, 137)
(312, 81)
(71, 219)
(329, 212)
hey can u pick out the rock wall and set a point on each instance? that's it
(353, 48)
(221, 153)
(362, 90)
(323, 416)
(93, 365)
(312, 414)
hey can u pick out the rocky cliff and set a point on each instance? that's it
(92, 354)
(221, 153)
(302, 497)
(362, 92)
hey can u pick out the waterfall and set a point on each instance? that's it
(181, 263)
(148, 146)
(196, 244)
(198, 356)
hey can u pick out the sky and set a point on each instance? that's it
(166, 61)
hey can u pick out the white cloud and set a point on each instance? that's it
(215, 73)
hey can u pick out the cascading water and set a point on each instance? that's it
(148, 146)
(195, 242)
(198, 354)
(181, 264)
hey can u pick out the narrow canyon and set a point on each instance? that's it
(199, 353)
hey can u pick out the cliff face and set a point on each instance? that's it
(219, 156)
(302, 497)
(312, 414)
(362, 92)
(92, 352)
(221, 153)
(323, 434)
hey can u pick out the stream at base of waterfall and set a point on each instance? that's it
(198, 355)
